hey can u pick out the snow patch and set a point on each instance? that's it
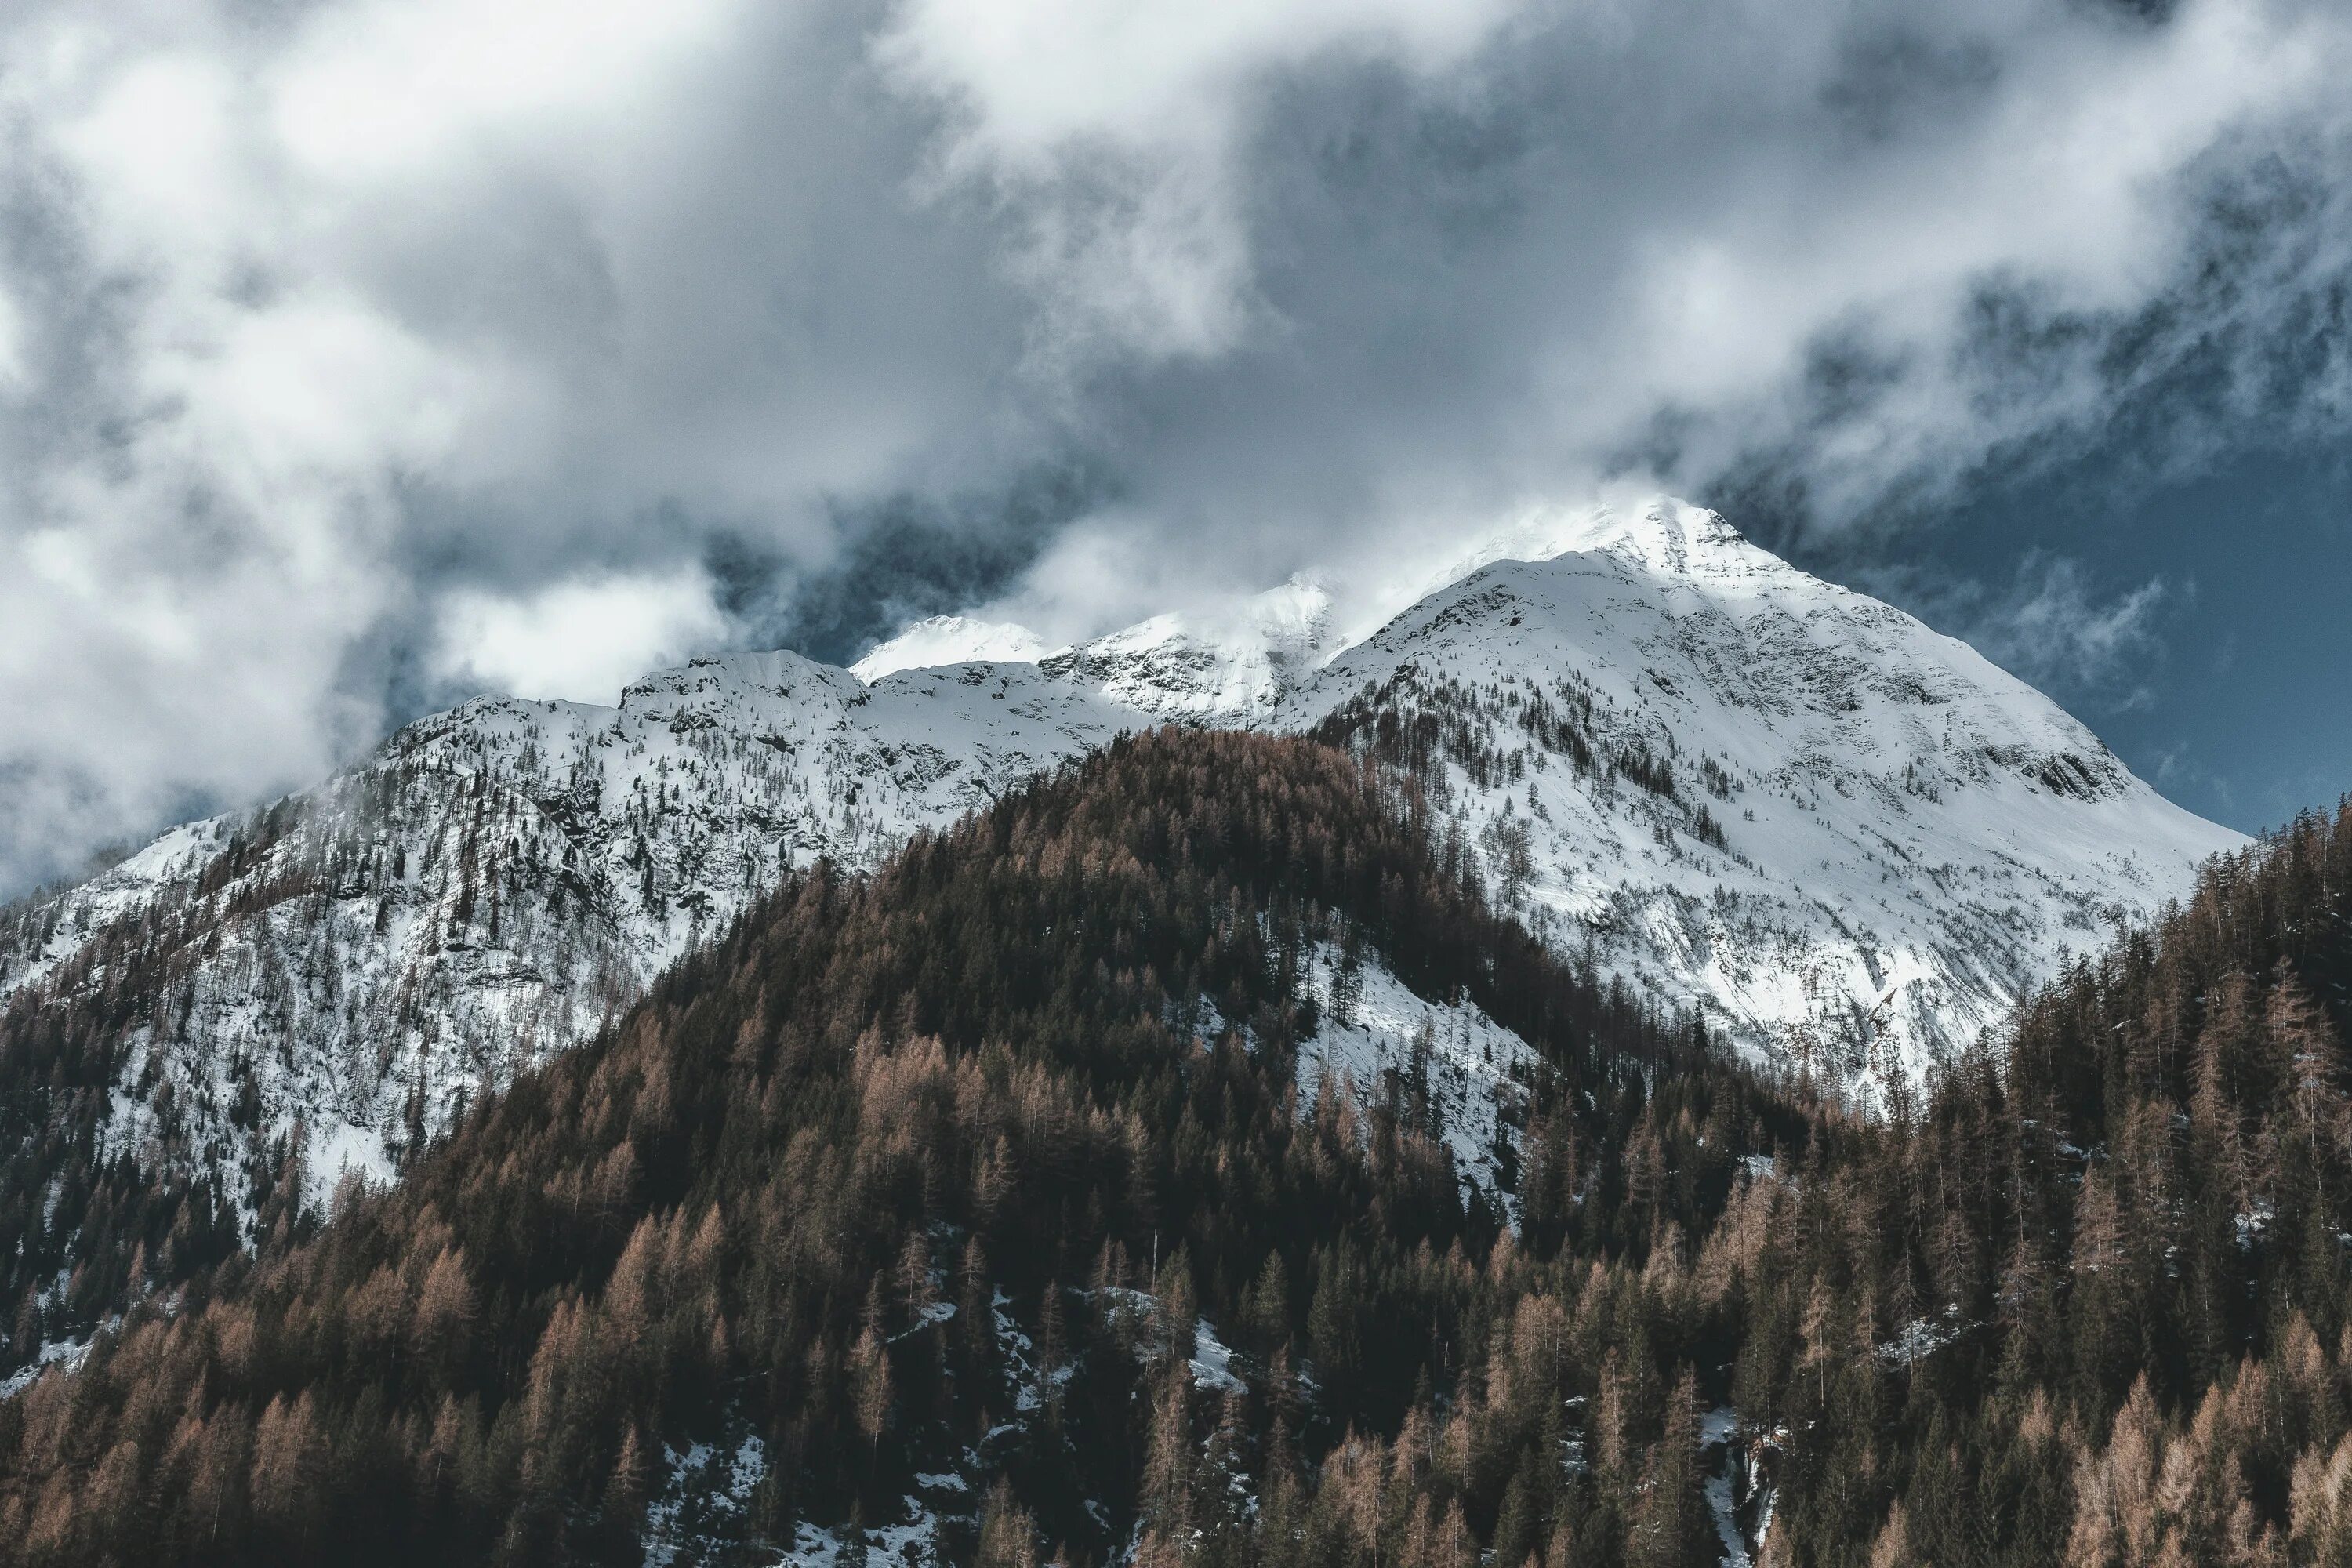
(1376, 1033)
(67, 1355)
(1717, 1430)
(1212, 1361)
(705, 1498)
(950, 639)
(1923, 1337)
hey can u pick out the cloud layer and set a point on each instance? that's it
(357, 353)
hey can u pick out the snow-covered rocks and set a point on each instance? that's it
(1447, 1063)
(1849, 841)
(950, 639)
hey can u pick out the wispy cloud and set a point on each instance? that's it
(2049, 625)
(580, 640)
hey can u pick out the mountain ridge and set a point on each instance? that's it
(324, 984)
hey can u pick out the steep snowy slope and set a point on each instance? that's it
(360, 960)
(950, 639)
(1231, 671)
(1853, 840)
(1849, 839)
(1465, 1073)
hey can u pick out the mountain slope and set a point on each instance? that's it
(1847, 840)
(227, 1023)
(1855, 842)
(968, 1213)
(959, 1148)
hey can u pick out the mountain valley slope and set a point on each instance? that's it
(977, 1212)
(1845, 841)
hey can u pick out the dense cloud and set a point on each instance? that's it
(355, 354)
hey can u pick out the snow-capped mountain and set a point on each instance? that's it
(1235, 670)
(362, 959)
(1847, 840)
(1852, 840)
(950, 639)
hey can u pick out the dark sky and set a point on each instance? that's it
(357, 355)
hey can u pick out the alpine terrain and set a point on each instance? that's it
(1846, 843)
(1089, 1184)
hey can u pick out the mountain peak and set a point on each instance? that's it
(938, 640)
(1842, 838)
(1229, 669)
(1670, 537)
(717, 680)
(1848, 839)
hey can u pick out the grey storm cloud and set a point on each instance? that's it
(355, 355)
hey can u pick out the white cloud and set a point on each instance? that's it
(337, 340)
(1117, 132)
(579, 641)
(375, 88)
(1039, 76)
(1446, 260)
(12, 345)
(311, 311)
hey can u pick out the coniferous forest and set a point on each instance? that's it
(979, 1191)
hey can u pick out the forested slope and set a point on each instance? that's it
(967, 1211)
(971, 1082)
